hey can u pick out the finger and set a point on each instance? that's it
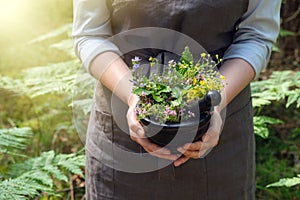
(214, 128)
(195, 146)
(210, 139)
(156, 150)
(167, 157)
(147, 144)
(180, 161)
(189, 153)
(135, 127)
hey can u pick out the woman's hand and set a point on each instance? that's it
(138, 135)
(201, 148)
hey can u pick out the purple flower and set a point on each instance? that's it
(169, 112)
(181, 112)
(191, 114)
(135, 62)
(144, 111)
(135, 66)
(144, 93)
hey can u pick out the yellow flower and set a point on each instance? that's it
(223, 77)
(203, 83)
(194, 81)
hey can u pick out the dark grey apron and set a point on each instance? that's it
(227, 172)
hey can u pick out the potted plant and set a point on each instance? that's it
(176, 99)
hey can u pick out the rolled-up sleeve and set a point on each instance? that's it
(91, 28)
(256, 34)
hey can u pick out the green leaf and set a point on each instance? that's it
(293, 97)
(14, 139)
(176, 92)
(275, 48)
(176, 102)
(187, 56)
(162, 88)
(260, 125)
(284, 33)
(138, 91)
(287, 182)
(56, 173)
(157, 98)
(40, 176)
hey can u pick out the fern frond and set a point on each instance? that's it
(14, 139)
(56, 172)
(10, 84)
(71, 162)
(266, 91)
(21, 188)
(65, 46)
(287, 182)
(55, 78)
(38, 174)
(57, 32)
(261, 125)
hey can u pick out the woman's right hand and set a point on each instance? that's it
(137, 133)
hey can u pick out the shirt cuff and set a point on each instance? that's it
(255, 53)
(92, 47)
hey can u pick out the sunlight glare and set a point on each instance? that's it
(11, 12)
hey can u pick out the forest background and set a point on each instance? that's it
(41, 152)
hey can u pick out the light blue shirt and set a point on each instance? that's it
(252, 42)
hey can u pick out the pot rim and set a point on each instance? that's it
(171, 125)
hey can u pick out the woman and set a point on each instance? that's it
(124, 166)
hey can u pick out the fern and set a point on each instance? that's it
(21, 188)
(55, 33)
(66, 46)
(266, 91)
(14, 139)
(260, 125)
(34, 175)
(71, 162)
(10, 84)
(287, 182)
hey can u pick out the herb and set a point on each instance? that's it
(168, 93)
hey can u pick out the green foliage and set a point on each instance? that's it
(287, 182)
(267, 91)
(284, 33)
(14, 139)
(34, 175)
(27, 179)
(168, 94)
(42, 175)
(261, 129)
(279, 86)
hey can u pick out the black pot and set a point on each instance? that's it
(174, 135)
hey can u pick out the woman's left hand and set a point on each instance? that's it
(201, 148)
